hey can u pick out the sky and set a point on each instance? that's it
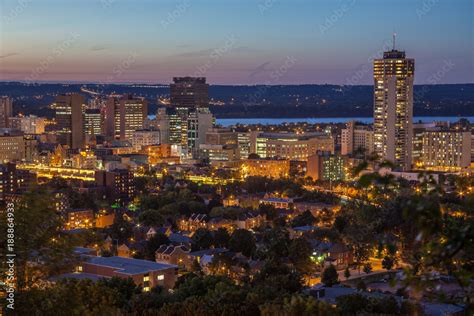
(233, 41)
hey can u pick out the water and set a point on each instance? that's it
(313, 120)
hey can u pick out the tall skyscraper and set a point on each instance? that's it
(6, 111)
(393, 108)
(69, 119)
(189, 92)
(124, 115)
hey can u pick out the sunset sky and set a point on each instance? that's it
(232, 42)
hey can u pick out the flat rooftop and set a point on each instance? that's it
(128, 265)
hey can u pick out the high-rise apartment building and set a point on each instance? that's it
(69, 119)
(393, 108)
(6, 111)
(189, 92)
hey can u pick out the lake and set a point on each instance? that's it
(313, 120)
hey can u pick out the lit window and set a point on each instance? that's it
(160, 277)
(146, 278)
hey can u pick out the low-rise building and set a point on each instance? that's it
(272, 168)
(147, 274)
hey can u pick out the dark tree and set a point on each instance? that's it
(330, 276)
(202, 239)
(221, 238)
(242, 241)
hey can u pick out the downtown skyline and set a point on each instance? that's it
(272, 42)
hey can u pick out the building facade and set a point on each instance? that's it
(393, 108)
(69, 119)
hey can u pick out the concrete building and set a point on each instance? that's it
(393, 108)
(184, 127)
(119, 184)
(92, 122)
(272, 168)
(356, 139)
(28, 124)
(12, 145)
(147, 274)
(446, 150)
(6, 111)
(292, 146)
(123, 115)
(142, 138)
(326, 167)
(69, 119)
(189, 92)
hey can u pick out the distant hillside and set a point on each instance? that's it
(265, 101)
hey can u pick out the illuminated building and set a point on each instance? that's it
(123, 115)
(184, 127)
(13, 180)
(6, 111)
(92, 122)
(69, 119)
(292, 146)
(356, 138)
(393, 108)
(189, 92)
(446, 150)
(219, 152)
(326, 167)
(144, 273)
(119, 184)
(272, 168)
(142, 138)
(12, 145)
(28, 124)
(245, 140)
(276, 202)
(221, 145)
(221, 136)
(79, 219)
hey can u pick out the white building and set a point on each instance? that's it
(393, 108)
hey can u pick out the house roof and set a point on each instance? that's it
(211, 251)
(128, 265)
(338, 248)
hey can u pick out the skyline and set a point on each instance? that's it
(330, 42)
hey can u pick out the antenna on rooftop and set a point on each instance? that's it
(393, 40)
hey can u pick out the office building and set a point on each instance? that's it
(92, 122)
(69, 119)
(28, 124)
(393, 108)
(123, 115)
(12, 145)
(189, 92)
(6, 111)
(142, 138)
